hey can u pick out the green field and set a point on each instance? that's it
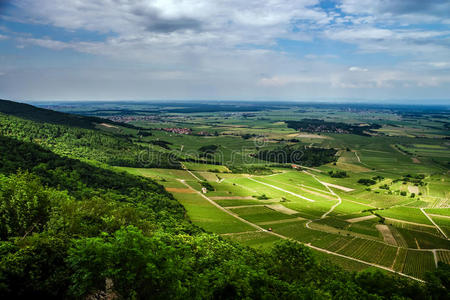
(407, 164)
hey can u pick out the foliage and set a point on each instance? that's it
(338, 174)
(316, 125)
(207, 186)
(42, 115)
(366, 181)
(208, 151)
(72, 229)
(84, 143)
(25, 205)
(250, 169)
(307, 156)
(162, 144)
(438, 282)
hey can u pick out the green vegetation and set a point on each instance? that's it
(316, 125)
(88, 144)
(82, 215)
(366, 181)
(338, 174)
(310, 157)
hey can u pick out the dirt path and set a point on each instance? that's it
(417, 243)
(357, 156)
(328, 196)
(287, 238)
(308, 168)
(408, 222)
(244, 206)
(436, 225)
(193, 175)
(440, 216)
(332, 192)
(313, 188)
(108, 125)
(435, 258)
(395, 259)
(232, 198)
(221, 208)
(283, 221)
(327, 185)
(360, 219)
(283, 190)
(339, 187)
(300, 187)
(333, 207)
(239, 233)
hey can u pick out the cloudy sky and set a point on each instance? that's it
(225, 49)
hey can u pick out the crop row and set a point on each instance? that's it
(443, 256)
(370, 251)
(418, 263)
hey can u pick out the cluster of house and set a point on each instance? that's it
(324, 129)
(204, 133)
(127, 119)
(177, 130)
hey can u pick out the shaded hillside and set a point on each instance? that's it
(82, 143)
(41, 115)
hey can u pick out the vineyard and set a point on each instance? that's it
(417, 263)
(443, 256)
(370, 251)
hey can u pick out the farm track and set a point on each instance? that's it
(357, 157)
(319, 191)
(431, 220)
(331, 191)
(290, 239)
(193, 175)
(439, 216)
(408, 222)
(390, 267)
(238, 233)
(283, 190)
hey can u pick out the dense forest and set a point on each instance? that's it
(41, 115)
(307, 156)
(318, 126)
(78, 229)
(82, 143)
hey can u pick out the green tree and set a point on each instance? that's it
(24, 205)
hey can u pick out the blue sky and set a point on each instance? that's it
(377, 50)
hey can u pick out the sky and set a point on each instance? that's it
(341, 50)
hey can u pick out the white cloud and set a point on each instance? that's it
(183, 48)
(357, 69)
(187, 21)
(46, 43)
(410, 11)
(440, 64)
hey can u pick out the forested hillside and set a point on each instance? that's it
(37, 114)
(81, 143)
(75, 229)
